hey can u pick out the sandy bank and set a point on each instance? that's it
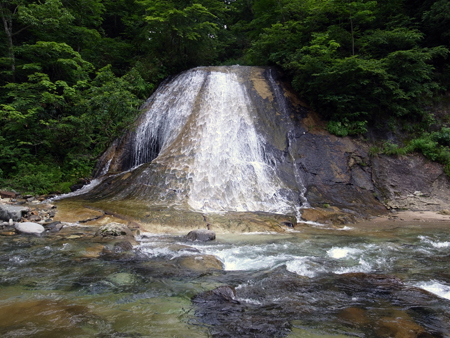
(414, 216)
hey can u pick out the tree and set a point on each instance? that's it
(184, 34)
(48, 14)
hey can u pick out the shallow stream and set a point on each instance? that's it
(316, 282)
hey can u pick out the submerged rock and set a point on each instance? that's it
(200, 263)
(122, 279)
(400, 328)
(47, 316)
(219, 295)
(55, 226)
(227, 317)
(201, 235)
(121, 250)
(29, 228)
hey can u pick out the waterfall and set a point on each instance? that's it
(210, 142)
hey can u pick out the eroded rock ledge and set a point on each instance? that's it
(339, 172)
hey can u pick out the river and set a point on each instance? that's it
(356, 281)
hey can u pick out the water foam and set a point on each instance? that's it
(435, 244)
(435, 287)
(304, 266)
(337, 252)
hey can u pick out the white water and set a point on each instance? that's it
(86, 188)
(201, 126)
(436, 288)
(304, 258)
(434, 243)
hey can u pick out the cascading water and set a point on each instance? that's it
(212, 140)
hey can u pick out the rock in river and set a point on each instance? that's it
(114, 230)
(201, 235)
(30, 228)
(13, 212)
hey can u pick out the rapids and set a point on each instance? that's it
(317, 282)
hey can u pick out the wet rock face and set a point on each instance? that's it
(294, 143)
(336, 171)
(339, 172)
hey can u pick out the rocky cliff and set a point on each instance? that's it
(340, 172)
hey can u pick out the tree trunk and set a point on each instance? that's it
(7, 24)
(353, 36)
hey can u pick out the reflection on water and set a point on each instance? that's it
(313, 283)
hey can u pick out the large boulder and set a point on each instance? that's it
(13, 212)
(331, 215)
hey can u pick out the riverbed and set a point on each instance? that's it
(314, 281)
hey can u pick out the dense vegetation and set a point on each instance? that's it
(74, 72)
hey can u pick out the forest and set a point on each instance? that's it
(73, 73)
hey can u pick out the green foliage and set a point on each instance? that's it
(182, 33)
(346, 127)
(65, 123)
(434, 146)
(74, 72)
(38, 179)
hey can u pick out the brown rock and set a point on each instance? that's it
(31, 314)
(400, 328)
(7, 233)
(354, 316)
(34, 218)
(92, 251)
(200, 263)
(114, 230)
(7, 194)
(334, 216)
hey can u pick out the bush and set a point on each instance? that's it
(345, 127)
(433, 146)
(39, 179)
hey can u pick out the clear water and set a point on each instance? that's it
(317, 282)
